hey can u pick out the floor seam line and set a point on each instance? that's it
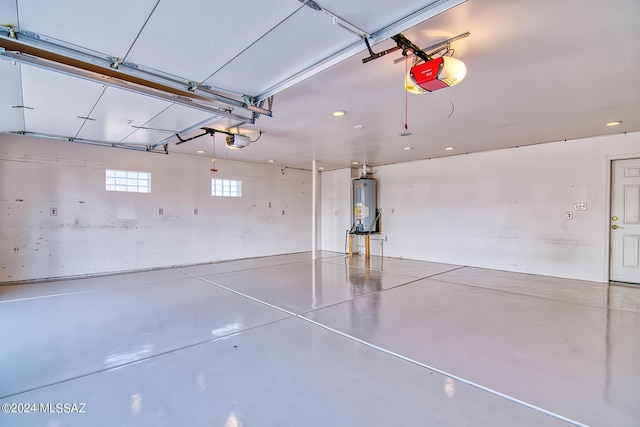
(439, 371)
(242, 294)
(448, 271)
(381, 291)
(532, 296)
(87, 291)
(403, 274)
(144, 359)
(180, 269)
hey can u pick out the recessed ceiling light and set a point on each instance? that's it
(339, 113)
(358, 126)
(200, 151)
(271, 161)
(449, 148)
(355, 163)
(408, 148)
(616, 123)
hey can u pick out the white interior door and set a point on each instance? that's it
(625, 221)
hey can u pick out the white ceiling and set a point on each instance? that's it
(538, 71)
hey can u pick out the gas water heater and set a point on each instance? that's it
(364, 206)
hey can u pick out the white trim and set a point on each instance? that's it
(608, 180)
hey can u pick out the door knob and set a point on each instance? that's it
(615, 227)
(614, 218)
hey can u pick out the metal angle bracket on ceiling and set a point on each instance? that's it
(434, 48)
(336, 19)
(409, 49)
(51, 54)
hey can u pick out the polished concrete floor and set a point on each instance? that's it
(284, 341)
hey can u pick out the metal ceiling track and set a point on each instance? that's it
(134, 147)
(51, 54)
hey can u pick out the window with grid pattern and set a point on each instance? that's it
(226, 187)
(127, 181)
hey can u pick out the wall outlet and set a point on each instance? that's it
(160, 211)
(195, 211)
(53, 211)
(569, 215)
(579, 206)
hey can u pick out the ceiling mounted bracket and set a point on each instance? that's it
(410, 49)
(337, 20)
(373, 55)
(207, 131)
(402, 43)
(436, 48)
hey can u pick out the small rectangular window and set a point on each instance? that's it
(127, 181)
(226, 187)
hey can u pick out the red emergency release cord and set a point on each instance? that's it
(406, 97)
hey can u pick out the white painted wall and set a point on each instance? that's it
(97, 231)
(502, 210)
(335, 208)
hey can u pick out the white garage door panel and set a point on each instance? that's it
(8, 13)
(206, 35)
(283, 52)
(171, 121)
(11, 119)
(372, 16)
(108, 27)
(57, 100)
(117, 112)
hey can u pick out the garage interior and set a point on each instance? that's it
(177, 195)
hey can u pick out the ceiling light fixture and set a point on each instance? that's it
(358, 126)
(339, 113)
(355, 163)
(616, 123)
(408, 148)
(271, 161)
(200, 151)
(449, 148)
(321, 168)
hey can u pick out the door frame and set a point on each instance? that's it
(607, 248)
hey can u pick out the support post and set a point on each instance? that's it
(367, 246)
(350, 244)
(314, 213)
